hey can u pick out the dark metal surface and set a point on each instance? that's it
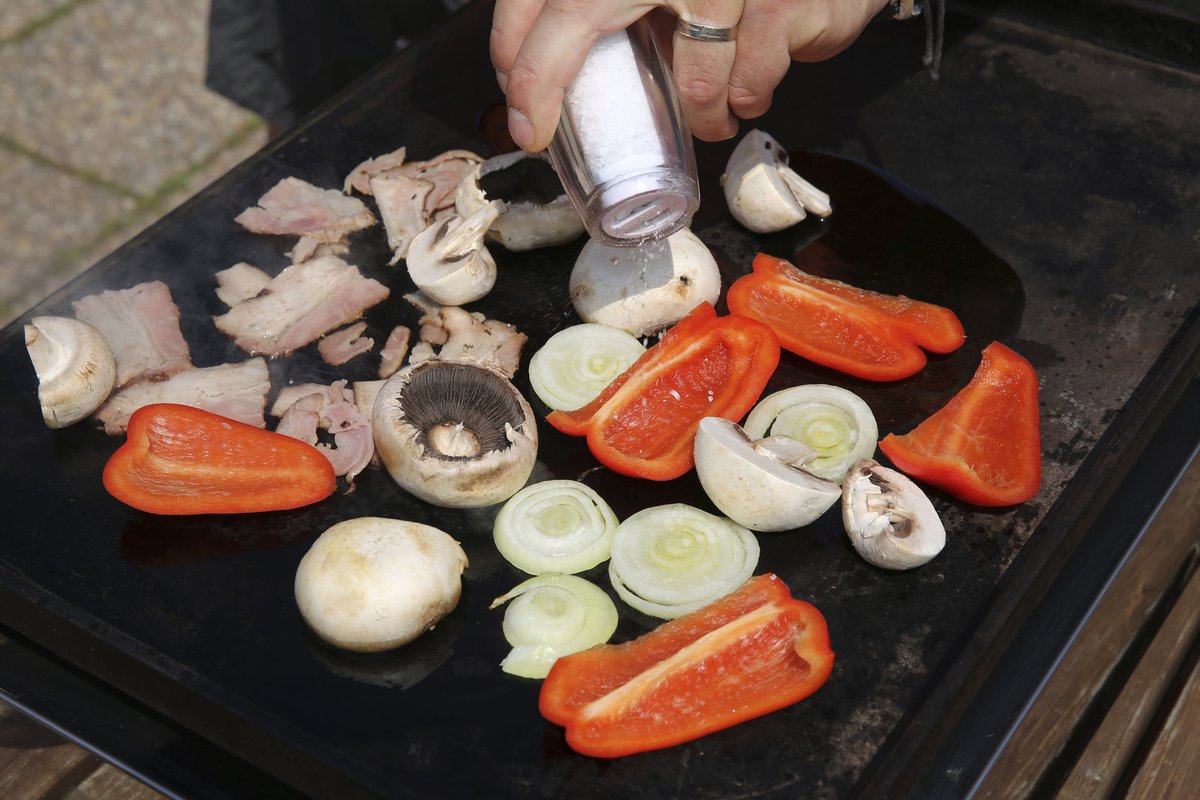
(1044, 190)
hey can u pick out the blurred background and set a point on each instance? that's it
(106, 125)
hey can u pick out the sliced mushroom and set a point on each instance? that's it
(455, 434)
(763, 192)
(75, 367)
(646, 288)
(449, 262)
(890, 521)
(759, 484)
(537, 211)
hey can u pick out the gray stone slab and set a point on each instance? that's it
(18, 15)
(45, 212)
(116, 88)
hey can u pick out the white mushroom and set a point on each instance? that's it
(454, 433)
(645, 288)
(371, 584)
(890, 521)
(75, 367)
(449, 262)
(763, 192)
(759, 484)
(537, 211)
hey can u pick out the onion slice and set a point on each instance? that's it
(551, 616)
(672, 559)
(836, 423)
(575, 364)
(555, 526)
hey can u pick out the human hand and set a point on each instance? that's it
(538, 47)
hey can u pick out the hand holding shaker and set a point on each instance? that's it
(622, 150)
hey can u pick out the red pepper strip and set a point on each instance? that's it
(182, 460)
(751, 652)
(644, 422)
(862, 333)
(984, 446)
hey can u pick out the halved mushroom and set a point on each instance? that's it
(454, 433)
(763, 192)
(537, 211)
(890, 521)
(759, 484)
(449, 262)
(646, 288)
(75, 367)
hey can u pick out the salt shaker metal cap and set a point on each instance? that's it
(622, 150)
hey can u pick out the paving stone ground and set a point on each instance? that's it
(105, 125)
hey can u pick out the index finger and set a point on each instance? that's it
(511, 21)
(550, 57)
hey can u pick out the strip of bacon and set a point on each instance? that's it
(238, 391)
(141, 324)
(301, 304)
(296, 207)
(340, 346)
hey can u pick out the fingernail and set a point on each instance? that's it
(502, 79)
(520, 128)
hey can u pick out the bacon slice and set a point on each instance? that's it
(289, 395)
(411, 195)
(340, 346)
(359, 178)
(394, 350)
(301, 304)
(141, 324)
(238, 391)
(465, 336)
(240, 282)
(296, 207)
(306, 407)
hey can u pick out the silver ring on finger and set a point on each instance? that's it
(704, 33)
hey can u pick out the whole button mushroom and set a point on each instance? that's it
(371, 583)
(646, 288)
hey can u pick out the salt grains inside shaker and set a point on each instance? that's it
(621, 149)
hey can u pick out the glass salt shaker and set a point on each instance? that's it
(622, 150)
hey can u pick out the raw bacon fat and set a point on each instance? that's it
(141, 324)
(296, 207)
(300, 305)
(238, 391)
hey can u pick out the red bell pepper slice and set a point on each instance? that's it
(182, 460)
(984, 446)
(873, 336)
(644, 422)
(751, 652)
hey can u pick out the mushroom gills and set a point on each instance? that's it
(890, 521)
(455, 434)
(458, 412)
(449, 261)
